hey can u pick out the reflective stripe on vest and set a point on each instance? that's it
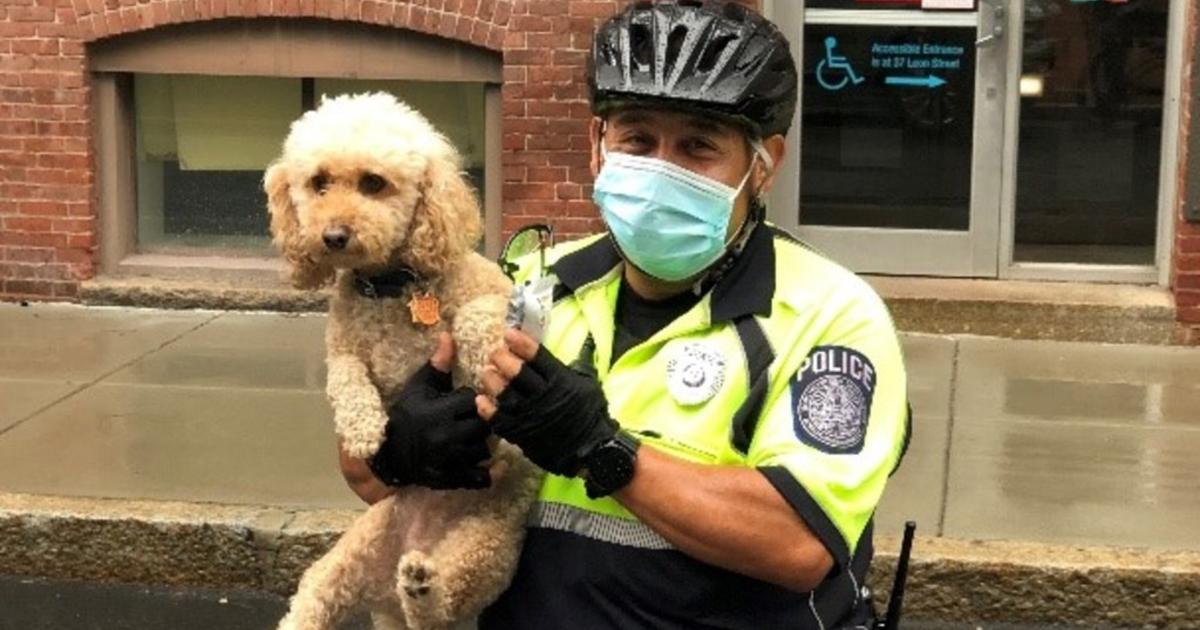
(603, 527)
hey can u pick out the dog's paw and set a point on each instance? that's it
(420, 593)
(416, 575)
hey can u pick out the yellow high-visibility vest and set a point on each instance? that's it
(789, 364)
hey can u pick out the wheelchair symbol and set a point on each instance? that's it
(833, 62)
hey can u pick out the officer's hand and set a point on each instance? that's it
(434, 437)
(553, 413)
(361, 480)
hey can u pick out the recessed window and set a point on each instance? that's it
(455, 109)
(202, 144)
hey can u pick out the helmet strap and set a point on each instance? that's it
(757, 201)
(756, 145)
(718, 270)
(756, 214)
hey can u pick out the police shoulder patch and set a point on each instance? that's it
(831, 399)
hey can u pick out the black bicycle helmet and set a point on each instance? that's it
(704, 55)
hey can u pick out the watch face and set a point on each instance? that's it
(610, 468)
(617, 463)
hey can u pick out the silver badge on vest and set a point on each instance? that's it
(695, 372)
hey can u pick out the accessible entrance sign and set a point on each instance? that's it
(865, 58)
(912, 56)
(881, 5)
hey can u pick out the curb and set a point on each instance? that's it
(180, 294)
(163, 543)
(1144, 322)
(1140, 324)
(267, 548)
(1012, 582)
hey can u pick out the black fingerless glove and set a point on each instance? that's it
(434, 436)
(556, 415)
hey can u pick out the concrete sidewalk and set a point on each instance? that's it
(195, 447)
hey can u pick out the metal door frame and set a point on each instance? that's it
(973, 253)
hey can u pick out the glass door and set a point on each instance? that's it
(1087, 143)
(901, 134)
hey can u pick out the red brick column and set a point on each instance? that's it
(47, 222)
(1186, 261)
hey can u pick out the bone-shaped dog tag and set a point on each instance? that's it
(425, 308)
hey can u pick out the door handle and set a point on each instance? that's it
(997, 25)
(997, 33)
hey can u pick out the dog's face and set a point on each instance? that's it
(366, 182)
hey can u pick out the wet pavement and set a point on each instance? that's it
(1056, 442)
(57, 605)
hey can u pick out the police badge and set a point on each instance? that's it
(695, 373)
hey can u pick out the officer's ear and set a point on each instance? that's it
(764, 178)
(596, 133)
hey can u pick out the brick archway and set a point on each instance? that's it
(479, 22)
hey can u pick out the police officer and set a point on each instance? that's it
(718, 406)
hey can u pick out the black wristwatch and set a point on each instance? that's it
(609, 467)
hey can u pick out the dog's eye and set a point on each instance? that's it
(371, 184)
(320, 182)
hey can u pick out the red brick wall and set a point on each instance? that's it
(1186, 273)
(48, 220)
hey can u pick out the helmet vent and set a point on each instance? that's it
(609, 52)
(714, 50)
(675, 43)
(641, 44)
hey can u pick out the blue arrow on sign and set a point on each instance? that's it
(930, 81)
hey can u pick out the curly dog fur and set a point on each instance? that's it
(375, 175)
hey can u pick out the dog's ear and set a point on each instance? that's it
(304, 272)
(446, 224)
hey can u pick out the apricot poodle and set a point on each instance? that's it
(369, 196)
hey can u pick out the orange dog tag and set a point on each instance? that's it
(425, 309)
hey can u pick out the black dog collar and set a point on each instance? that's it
(389, 284)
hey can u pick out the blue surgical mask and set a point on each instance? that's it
(668, 221)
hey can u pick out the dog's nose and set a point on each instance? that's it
(336, 238)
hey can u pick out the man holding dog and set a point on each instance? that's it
(718, 406)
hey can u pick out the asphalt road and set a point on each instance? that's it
(27, 604)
